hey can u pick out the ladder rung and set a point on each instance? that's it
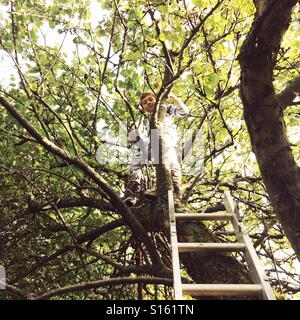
(204, 216)
(211, 246)
(221, 289)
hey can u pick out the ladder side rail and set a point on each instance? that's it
(255, 268)
(256, 271)
(230, 208)
(174, 249)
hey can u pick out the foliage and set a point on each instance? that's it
(77, 62)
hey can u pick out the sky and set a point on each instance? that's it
(52, 39)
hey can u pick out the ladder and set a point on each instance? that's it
(260, 287)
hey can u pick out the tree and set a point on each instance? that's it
(264, 113)
(64, 226)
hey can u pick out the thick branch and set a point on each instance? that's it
(264, 117)
(115, 200)
(102, 283)
(21, 293)
(288, 95)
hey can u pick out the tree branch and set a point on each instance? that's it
(102, 283)
(20, 292)
(288, 95)
(114, 199)
(264, 117)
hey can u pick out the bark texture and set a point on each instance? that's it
(263, 114)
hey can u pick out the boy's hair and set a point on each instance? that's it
(144, 94)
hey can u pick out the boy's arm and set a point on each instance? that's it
(181, 108)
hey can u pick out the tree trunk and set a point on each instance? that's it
(264, 116)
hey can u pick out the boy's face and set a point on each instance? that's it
(148, 103)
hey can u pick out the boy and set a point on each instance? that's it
(140, 140)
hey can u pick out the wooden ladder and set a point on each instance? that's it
(260, 287)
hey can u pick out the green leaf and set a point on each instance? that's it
(162, 37)
(132, 55)
(52, 215)
(213, 79)
(198, 3)
(163, 9)
(52, 24)
(77, 40)
(209, 90)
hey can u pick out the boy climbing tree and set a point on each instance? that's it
(140, 138)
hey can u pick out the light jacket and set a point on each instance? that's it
(141, 132)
